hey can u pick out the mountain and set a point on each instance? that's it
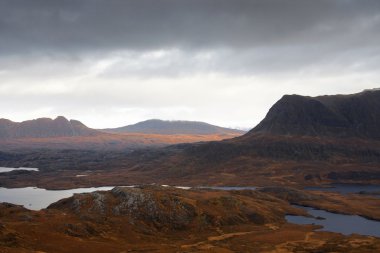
(61, 133)
(44, 128)
(356, 115)
(155, 126)
(301, 141)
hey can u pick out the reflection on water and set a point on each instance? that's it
(339, 223)
(37, 198)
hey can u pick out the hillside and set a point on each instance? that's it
(356, 115)
(155, 126)
(278, 151)
(166, 219)
(44, 128)
(60, 133)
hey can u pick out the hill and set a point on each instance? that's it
(302, 141)
(156, 126)
(44, 128)
(61, 133)
(356, 115)
(166, 219)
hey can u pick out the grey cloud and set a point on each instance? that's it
(71, 56)
(93, 25)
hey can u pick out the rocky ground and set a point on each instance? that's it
(166, 219)
(303, 141)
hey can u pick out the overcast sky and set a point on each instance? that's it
(110, 63)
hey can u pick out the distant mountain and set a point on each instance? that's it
(43, 128)
(302, 140)
(61, 133)
(356, 115)
(155, 126)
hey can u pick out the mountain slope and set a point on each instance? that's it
(356, 115)
(44, 128)
(61, 133)
(155, 126)
(302, 140)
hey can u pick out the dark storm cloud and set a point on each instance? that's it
(75, 26)
(223, 61)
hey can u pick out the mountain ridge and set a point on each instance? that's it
(44, 128)
(60, 133)
(324, 146)
(166, 127)
(353, 115)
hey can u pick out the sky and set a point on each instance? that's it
(110, 63)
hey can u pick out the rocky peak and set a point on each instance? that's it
(356, 115)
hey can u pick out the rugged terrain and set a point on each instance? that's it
(302, 141)
(342, 116)
(165, 219)
(313, 150)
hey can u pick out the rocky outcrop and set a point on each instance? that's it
(163, 208)
(136, 204)
(220, 221)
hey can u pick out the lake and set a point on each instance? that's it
(36, 198)
(339, 223)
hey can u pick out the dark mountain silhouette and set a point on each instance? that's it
(302, 139)
(43, 128)
(356, 115)
(155, 126)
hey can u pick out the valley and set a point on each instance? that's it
(189, 126)
(290, 171)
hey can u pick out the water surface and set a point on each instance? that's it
(339, 223)
(36, 198)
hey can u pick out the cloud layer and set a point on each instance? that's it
(221, 61)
